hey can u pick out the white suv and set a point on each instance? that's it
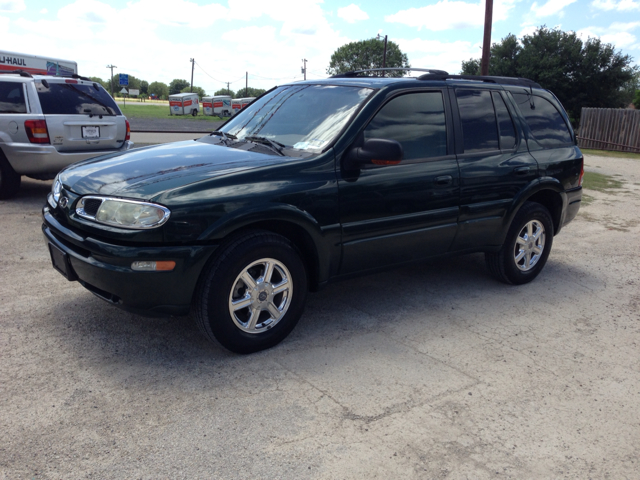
(47, 123)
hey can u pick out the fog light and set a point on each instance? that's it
(151, 266)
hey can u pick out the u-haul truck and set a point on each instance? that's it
(217, 105)
(239, 103)
(184, 104)
(36, 64)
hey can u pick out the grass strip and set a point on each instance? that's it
(159, 111)
(600, 183)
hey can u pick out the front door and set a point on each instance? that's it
(401, 213)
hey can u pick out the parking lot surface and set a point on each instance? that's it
(429, 371)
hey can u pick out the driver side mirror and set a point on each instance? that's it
(375, 151)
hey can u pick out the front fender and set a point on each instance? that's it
(288, 221)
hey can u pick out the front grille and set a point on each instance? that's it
(91, 206)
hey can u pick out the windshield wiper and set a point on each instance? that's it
(276, 146)
(226, 137)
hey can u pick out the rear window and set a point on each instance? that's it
(12, 98)
(75, 99)
(546, 124)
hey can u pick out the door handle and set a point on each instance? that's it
(521, 170)
(444, 180)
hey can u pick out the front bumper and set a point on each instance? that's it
(105, 270)
(32, 159)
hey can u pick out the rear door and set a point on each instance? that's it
(80, 116)
(495, 164)
(401, 213)
(13, 112)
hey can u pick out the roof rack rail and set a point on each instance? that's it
(75, 75)
(524, 82)
(22, 73)
(356, 73)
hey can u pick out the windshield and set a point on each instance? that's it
(302, 117)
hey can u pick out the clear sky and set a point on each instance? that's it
(154, 39)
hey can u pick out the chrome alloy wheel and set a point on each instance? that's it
(529, 245)
(260, 295)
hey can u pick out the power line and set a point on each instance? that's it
(203, 70)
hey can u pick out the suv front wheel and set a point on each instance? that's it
(526, 248)
(252, 295)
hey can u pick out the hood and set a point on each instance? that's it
(147, 172)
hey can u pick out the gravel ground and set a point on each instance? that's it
(430, 371)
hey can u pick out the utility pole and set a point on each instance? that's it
(304, 69)
(246, 86)
(384, 55)
(228, 91)
(193, 63)
(111, 78)
(486, 44)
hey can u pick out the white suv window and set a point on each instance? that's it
(12, 98)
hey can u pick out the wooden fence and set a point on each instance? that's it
(610, 129)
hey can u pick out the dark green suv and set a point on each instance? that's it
(314, 182)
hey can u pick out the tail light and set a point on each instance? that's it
(37, 131)
(581, 174)
(128, 135)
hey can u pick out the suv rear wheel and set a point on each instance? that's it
(252, 295)
(526, 248)
(9, 179)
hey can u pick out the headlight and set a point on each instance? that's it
(56, 189)
(122, 213)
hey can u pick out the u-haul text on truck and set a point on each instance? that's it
(36, 64)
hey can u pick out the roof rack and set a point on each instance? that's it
(356, 73)
(523, 82)
(22, 73)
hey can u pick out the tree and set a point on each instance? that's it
(580, 73)
(177, 85)
(367, 54)
(144, 87)
(101, 82)
(160, 89)
(199, 90)
(470, 67)
(636, 101)
(224, 91)
(249, 92)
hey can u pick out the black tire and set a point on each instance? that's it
(221, 283)
(194, 113)
(9, 179)
(505, 265)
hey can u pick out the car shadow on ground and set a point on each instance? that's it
(92, 329)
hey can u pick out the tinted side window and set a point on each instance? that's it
(12, 98)
(545, 122)
(505, 123)
(478, 117)
(75, 99)
(417, 121)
